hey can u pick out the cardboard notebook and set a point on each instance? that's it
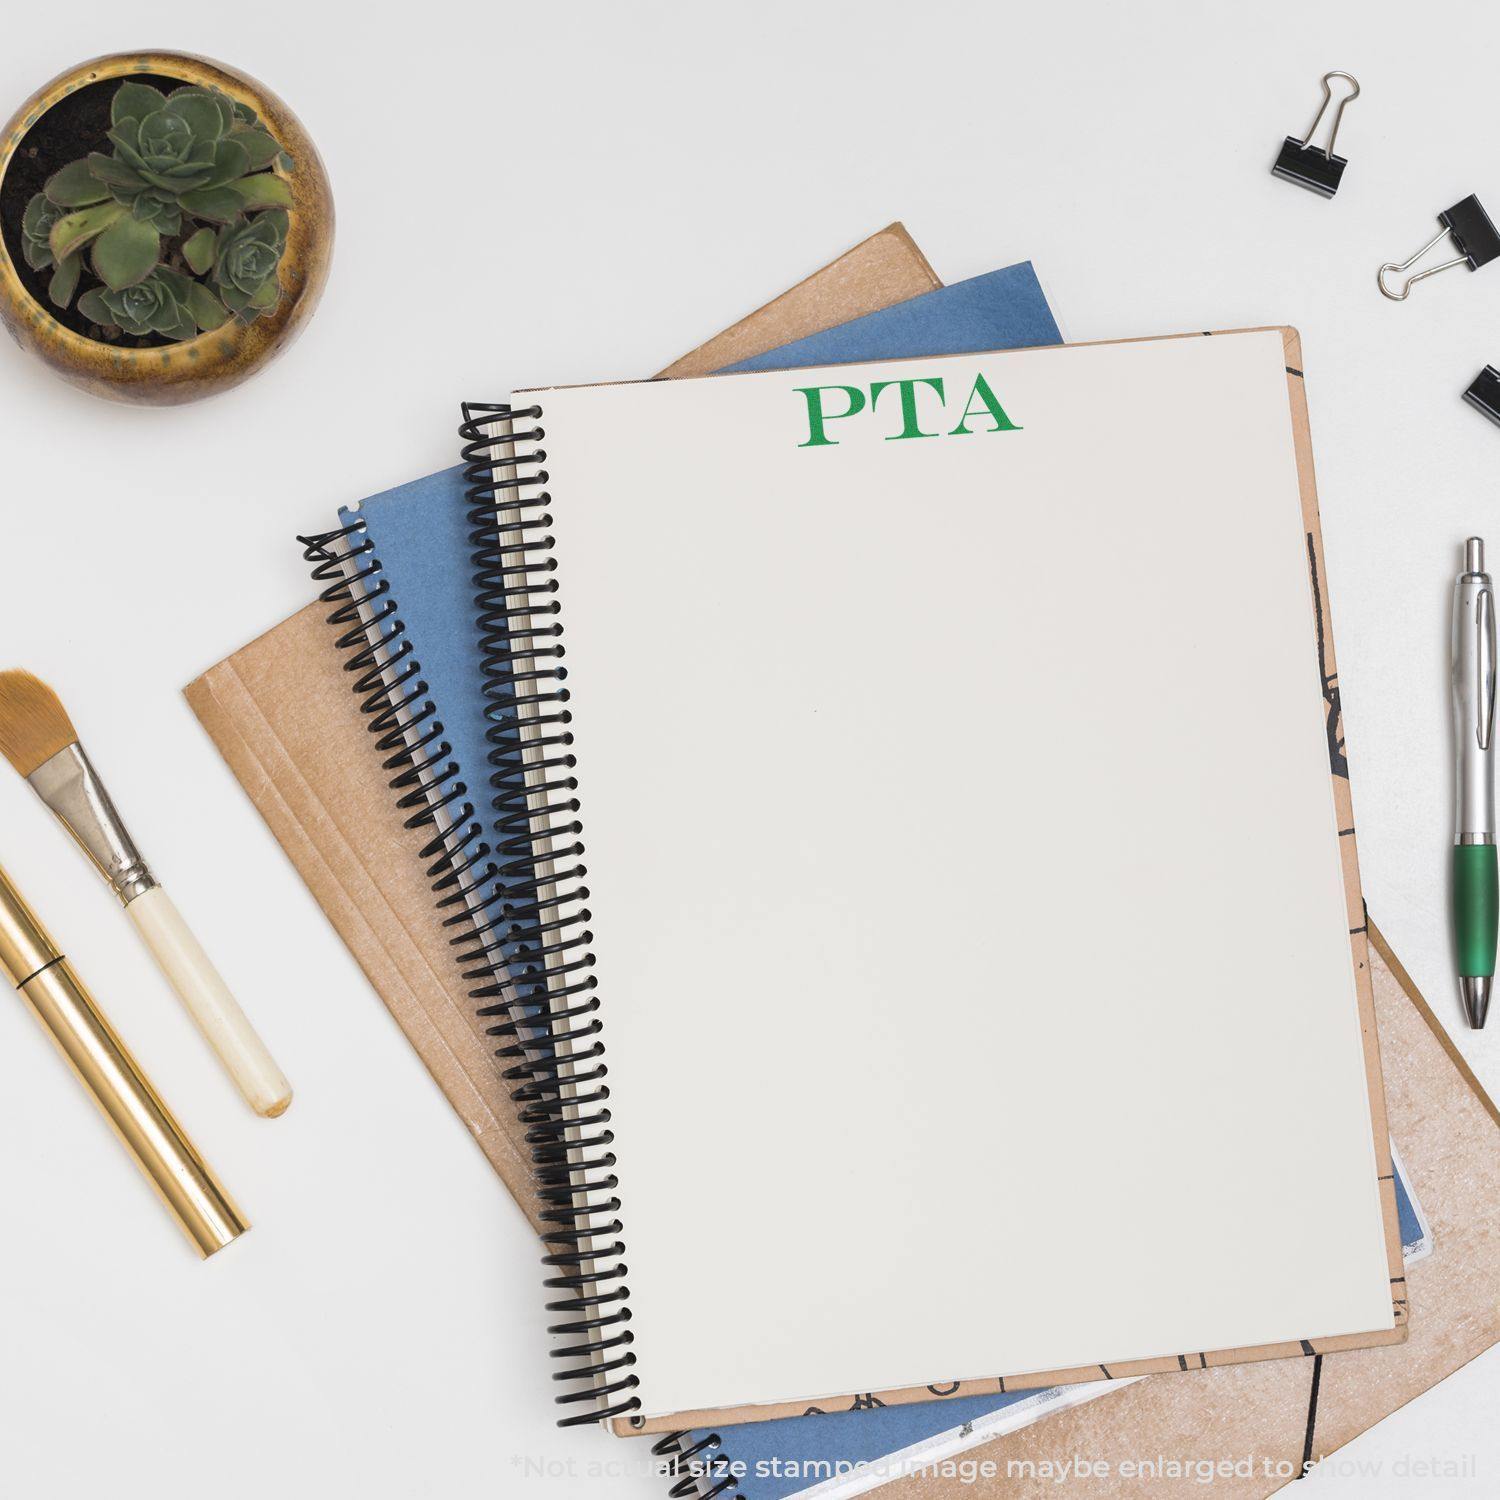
(281, 712)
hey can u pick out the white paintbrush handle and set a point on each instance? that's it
(209, 1002)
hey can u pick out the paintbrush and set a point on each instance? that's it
(38, 739)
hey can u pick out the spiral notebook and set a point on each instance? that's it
(405, 529)
(882, 759)
(281, 713)
(401, 529)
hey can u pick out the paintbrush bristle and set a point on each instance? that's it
(34, 725)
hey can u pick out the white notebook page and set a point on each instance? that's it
(930, 786)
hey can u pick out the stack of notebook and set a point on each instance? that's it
(883, 699)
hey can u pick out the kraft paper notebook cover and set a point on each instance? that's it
(281, 714)
(927, 661)
(886, 268)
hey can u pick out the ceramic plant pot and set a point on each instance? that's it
(220, 184)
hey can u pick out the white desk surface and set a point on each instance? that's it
(528, 194)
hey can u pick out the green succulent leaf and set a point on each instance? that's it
(133, 101)
(260, 146)
(267, 297)
(178, 180)
(126, 252)
(198, 251)
(65, 280)
(208, 312)
(265, 190)
(199, 112)
(160, 210)
(114, 172)
(126, 141)
(244, 114)
(75, 186)
(218, 204)
(36, 231)
(188, 173)
(231, 160)
(73, 231)
(93, 307)
(287, 162)
(178, 324)
(222, 102)
(40, 215)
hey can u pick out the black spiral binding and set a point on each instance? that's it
(542, 915)
(387, 680)
(706, 1478)
(522, 937)
(526, 695)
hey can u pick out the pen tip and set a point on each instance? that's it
(1476, 996)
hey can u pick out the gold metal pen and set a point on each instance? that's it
(172, 1165)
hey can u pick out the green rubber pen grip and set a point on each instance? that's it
(1476, 908)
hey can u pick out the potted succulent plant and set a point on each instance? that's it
(166, 226)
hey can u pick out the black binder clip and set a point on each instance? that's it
(1474, 236)
(1484, 394)
(1310, 166)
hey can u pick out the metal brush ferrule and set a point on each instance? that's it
(70, 786)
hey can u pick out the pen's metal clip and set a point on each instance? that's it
(1476, 619)
(1484, 663)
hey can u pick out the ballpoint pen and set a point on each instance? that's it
(1476, 894)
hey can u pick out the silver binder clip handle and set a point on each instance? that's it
(1473, 234)
(1338, 113)
(1410, 261)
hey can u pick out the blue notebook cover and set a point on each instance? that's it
(418, 534)
(1003, 309)
(780, 1459)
